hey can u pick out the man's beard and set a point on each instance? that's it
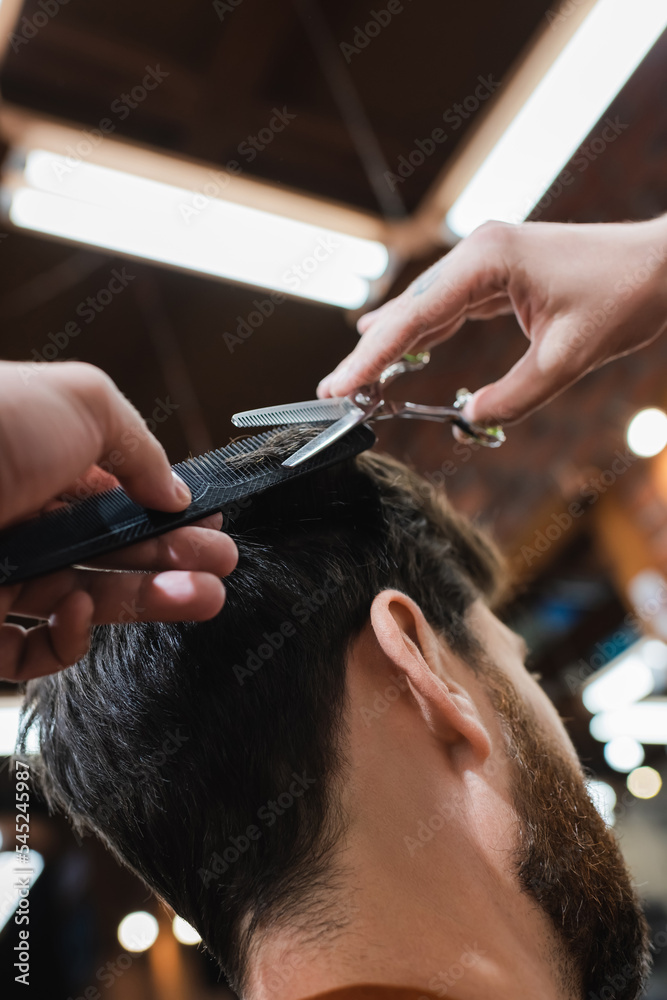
(569, 862)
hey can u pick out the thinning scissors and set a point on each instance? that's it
(367, 403)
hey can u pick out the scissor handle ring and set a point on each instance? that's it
(408, 363)
(488, 437)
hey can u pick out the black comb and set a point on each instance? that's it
(111, 520)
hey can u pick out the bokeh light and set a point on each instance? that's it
(647, 432)
(603, 797)
(138, 931)
(184, 932)
(624, 753)
(644, 782)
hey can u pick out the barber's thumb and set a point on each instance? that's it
(486, 405)
(523, 389)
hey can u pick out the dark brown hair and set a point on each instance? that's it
(207, 756)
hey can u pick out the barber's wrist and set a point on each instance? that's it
(656, 253)
(644, 280)
(660, 247)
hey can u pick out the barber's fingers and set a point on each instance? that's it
(123, 440)
(373, 316)
(496, 305)
(185, 548)
(471, 279)
(492, 306)
(399, 331)
(174, 595)
(201, 547)
(45, 649)
(73, 600)
(551, 364)
(93, 480)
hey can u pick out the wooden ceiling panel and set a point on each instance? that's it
(228, 70)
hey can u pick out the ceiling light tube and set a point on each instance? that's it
(646, 722)
(624, 680)
(136, 216)
(560, 112)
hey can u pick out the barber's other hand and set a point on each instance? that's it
(583, 295)
(57, 421)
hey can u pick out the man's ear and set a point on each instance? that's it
(430, 669)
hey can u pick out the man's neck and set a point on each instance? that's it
(422, 931)
(429, 896)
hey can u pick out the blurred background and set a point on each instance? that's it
(202, 197)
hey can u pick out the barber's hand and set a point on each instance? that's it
(57, 421)
(583, 295)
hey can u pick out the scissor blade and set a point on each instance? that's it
(327, 437)
(311, 411)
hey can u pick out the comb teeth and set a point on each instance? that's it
(212, 467)
(313, 411)
(109, 521)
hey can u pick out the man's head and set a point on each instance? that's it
(244, 766)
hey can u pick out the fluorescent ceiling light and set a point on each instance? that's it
(561, 111)
(9, 723)
(10, 712)
(646, 591)
(627, 679)
(10, 872)
(135, 216)
(646, 722)
(654, 655)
